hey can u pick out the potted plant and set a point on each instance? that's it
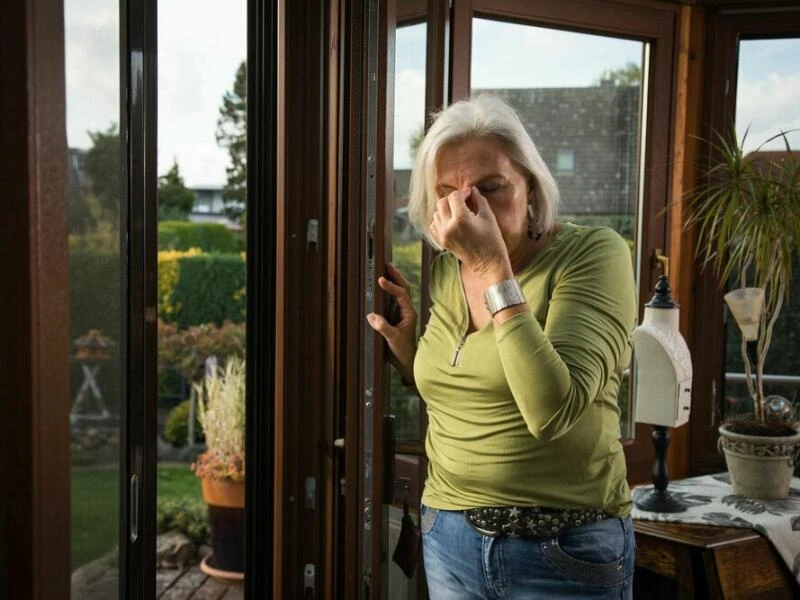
(221, 468)
(747, 217)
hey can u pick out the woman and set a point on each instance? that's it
(519, 366)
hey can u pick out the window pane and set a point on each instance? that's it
(768, 85)
(580, 98)
(202, 145)
(92, 77)
(409, 123)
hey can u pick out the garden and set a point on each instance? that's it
(201, 313)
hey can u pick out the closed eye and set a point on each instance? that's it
(490, 188)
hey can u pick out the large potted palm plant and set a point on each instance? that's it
(221, 468)
(747, 217)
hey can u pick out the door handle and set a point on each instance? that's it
(661, 259)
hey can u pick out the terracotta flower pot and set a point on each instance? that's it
(225, 501)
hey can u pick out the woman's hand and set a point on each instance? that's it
(401, 336)
(465, 225)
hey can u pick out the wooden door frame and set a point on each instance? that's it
(303, 429)
(364, 166)
(34, 302)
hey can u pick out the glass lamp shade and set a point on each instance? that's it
(746, 306)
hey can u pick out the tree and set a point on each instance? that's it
(415, 140)
(232, 134)
(102, 164)
(629, 75)
(175, 200)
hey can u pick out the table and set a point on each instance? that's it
(711, 562)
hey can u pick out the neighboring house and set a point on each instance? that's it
(587, 136)
(209, 206)
(764, 158)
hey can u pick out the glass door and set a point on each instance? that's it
(585, 108)
(110, 59)
(604, 131)
(593, 88)
(158, 280)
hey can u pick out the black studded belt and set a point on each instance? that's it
(535, 522)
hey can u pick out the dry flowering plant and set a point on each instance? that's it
(220, 410)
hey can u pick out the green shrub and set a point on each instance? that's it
(176, 427)
(186, 350)
(210, 289)
(209, 237)
(187, 515)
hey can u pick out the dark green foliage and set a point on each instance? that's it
(209, 237)
(630, 74)
(176, 427)
(210, 289)
(175, 200)
(187, 515)
(232, 134)
(102, 165)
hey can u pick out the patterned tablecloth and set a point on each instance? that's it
(711, 501)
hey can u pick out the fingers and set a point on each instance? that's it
(457, 202)
(401, 293)
(479, 201)
(449, 211)
(397, 276)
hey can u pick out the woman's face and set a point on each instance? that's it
(482, 162)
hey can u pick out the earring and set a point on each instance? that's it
(537, 235)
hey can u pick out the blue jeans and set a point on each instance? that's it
(591, 561)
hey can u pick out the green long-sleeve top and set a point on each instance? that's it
(526, 414)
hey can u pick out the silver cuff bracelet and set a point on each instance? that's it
(502, 295)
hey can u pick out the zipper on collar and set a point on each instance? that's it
(459, 347)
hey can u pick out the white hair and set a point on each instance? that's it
(482, 116)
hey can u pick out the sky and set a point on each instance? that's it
(200, 45)
(202, 42)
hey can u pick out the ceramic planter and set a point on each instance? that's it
(760, 467)
(225, 501)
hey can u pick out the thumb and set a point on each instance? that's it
(378, 323)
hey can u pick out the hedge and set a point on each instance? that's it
(210, 289)
(208, 237)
